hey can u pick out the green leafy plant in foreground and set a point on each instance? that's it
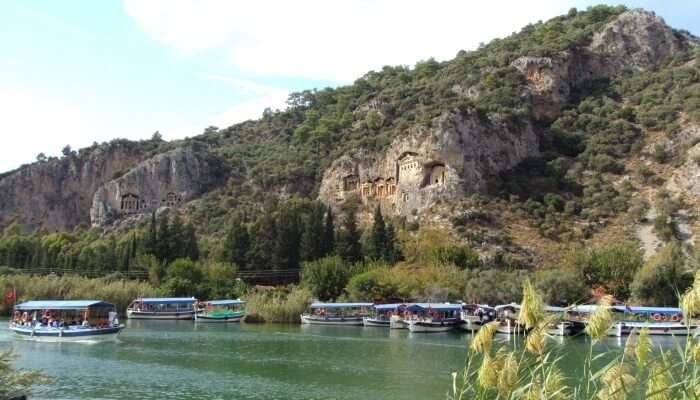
(531, 371)
(15, 381)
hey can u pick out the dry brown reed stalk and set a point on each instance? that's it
(531, 308)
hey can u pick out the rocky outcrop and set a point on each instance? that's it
(56, 194)
(634, 40)
(452, 157)
(165, 180)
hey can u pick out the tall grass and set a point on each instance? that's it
(532, 372)
(277, 305)
(72, 287)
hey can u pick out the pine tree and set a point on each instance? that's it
(328, 240)
(348, 244)
(377, 241)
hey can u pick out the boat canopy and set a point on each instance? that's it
(514, 306)
(434, 306)
(389, 307)
(649, 310)
(62, 305)
(225, 302)
(167, 300)
(340, 305)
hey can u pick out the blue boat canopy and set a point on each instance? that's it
(224, 302)
(434, 306)
(340, 305)
(61, 305)
(388, 307)
(167, 300)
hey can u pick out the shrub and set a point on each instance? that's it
(663, 277)
(280, 305)
(326, 277)
(612, 267)
(562, 287)
(462, 257)
(492, 286)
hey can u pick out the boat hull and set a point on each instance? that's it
(162, 315)
(68, 335)
(382, 323)
(314, 320)
(657, 329)
(431, 326)
(225, 318)
(470, 325)
(396, 322)
(509, 327)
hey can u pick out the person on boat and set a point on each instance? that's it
(62, 324)
(85, 324)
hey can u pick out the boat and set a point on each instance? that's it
(220, 311)
(507, 316)
(398, 322)
(473, 316)
(659, 321)
(336, 313)
(66, 320)
(162, 308)
(434, 317)
(382, 315)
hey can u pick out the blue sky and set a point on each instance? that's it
(74, 72)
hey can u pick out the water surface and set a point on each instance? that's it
(184, 360)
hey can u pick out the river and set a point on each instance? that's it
(184, 360)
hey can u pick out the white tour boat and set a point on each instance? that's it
(434, 317)
(66, 320)
(162, 308)
(336, 313)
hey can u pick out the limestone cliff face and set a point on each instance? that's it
(165, 180)
(452, 157)
(635, 40)
(56, 194)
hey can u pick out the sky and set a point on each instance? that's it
(76, 72)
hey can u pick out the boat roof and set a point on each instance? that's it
(434, 306)
(167, 300)
(340, 305)
(61, 304)
(390, 306)
(588, 308)
(224, 302)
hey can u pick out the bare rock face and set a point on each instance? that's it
(635, 40)
(56, 194)
(452, 157)
(165, 180)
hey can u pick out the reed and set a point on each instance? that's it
(277, 305)
(641, 371)
(72, 287)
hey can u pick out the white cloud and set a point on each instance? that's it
(337, 41)
(28, 116)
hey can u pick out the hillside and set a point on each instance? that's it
(579, 131)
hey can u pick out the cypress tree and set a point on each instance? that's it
(191, 249)
(176, 239)
(288, 239)
(163, 242)
(328, 240)
(377, 241)
(263, 235)
(348, 244)
(391, 251)
(237, 244)
(151, 245)
(312, 243)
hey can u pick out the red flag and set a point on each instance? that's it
(10, 296)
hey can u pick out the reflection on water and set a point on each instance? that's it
(185, 360)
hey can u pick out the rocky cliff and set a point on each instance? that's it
(452, 157)
(165, 180)
(56, 194)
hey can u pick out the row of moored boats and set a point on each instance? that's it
(95, 319)
(443, 317)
